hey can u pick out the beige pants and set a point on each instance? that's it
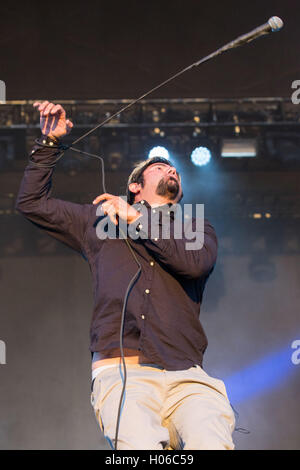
(163, 409)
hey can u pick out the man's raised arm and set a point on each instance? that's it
(64, 220)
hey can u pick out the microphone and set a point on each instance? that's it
(274, 24)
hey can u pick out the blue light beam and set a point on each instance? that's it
(260, 377)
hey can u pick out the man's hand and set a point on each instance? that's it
(53, 120)
(116, 206)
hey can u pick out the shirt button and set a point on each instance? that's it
(143, 317)
(154, 211)
(155, 239)
(147, 291)
(151, 263)
(142, 202)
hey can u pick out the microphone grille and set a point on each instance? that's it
(275, 23)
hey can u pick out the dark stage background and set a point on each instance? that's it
(96, 50)
(117, 49)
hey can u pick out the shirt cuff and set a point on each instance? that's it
(45, 154)
(47, 140)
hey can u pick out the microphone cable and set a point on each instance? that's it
(131, 283)
(128, 290)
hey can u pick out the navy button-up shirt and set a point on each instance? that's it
(162, 314)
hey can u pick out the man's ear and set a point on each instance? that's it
(134, 187)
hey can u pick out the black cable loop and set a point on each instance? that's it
(130, 285)
(132, 281)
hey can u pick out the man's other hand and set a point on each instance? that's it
(116, 206)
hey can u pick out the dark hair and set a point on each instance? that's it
(136, 176)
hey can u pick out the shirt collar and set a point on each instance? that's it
(164, 208)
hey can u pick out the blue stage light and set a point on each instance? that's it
(200, 156)
(266, 374)
(159, 152)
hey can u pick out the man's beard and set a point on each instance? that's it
(168, 188)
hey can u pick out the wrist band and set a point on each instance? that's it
(47, 141)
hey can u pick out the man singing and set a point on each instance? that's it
(170, 402)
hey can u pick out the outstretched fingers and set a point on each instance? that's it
(57, 108)
(53, 119)
(102, 197)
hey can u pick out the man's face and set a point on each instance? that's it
(164, 180)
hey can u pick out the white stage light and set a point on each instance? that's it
(200, 156)
(159, 152)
